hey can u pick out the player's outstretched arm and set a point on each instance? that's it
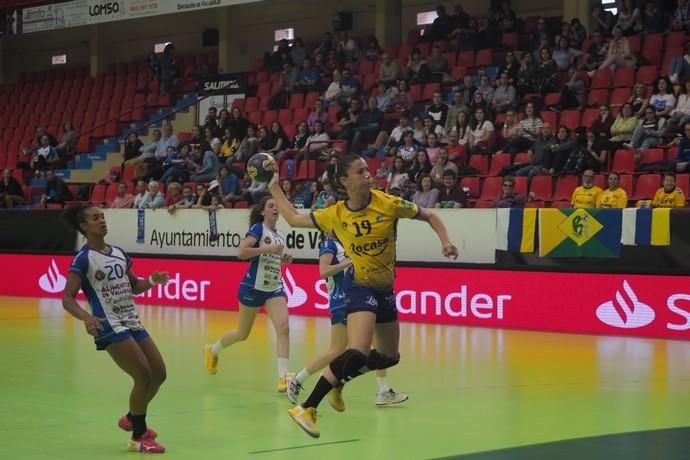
(447, 248)
(285, 208)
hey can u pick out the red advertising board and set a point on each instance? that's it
(634, 305)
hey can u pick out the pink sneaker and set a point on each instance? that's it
(145, 445)
(126, 425)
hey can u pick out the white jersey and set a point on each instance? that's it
(107, 288)
(264, 270)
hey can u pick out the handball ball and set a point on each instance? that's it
(256, 167)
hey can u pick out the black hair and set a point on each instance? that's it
(75, 215)
(335, 172)
(255, 215)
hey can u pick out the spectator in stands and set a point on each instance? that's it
(438, 65)
(347, 119)
(564, 56)
(249, 145)
(437, 110)
(486, 36)
(316, 142)
(559, 152)
(288, 189)
(585, 196)
(385, 97)
(69, 137)
(541, 30)
(297, 52)
(56, 190)
(540, 154)
(647, 134)
(168, 69)
(441, 28)
(619, 55)
(140, 193)
(46, 156)
(681, 16)
(602, 21)
(256, 191)
(652, 19)
(572, 92)
(578, 33)
(369, 123)
(301, 136)
(669, 196)
(223, 122)
(416, 69)
(426, 195)
(602, 125)
(431, 127)
(167, 140)
(391, 142)
(334, 92)
(229, 147)
(639, 100)
(510, 67)
(147, 151)
(238, 124)
(663, 100)
(506, 18)
(153, 198)
(277, 140)
(418, 129)
(432, 147)
(478, 102)
(623, 128)
(441, 165)
(407, 149)
(591, 155)
(614, 196)
(545, 42)
(210, 165)
(486, 89)
(510, 130)
(373, 51)
(526, 76)
(202, 197)
(350, 86)
(629, 18)
(530, 129)
(124, 199)
(230, 189)
(211, 119)
(459, 123)
(389, 71)
(40, 132)
(467, 90)
(597, 52)
(177, 168)
(185, 202)
(420, 166)
(173, 194)
(457, 152)
(289, 83)
(318, 113)
(308, 77)
(152, 68)
(680, 114)
(450, 195)
(682, 161)
(402, 101)
(11, 193)
(680, 66)
(547, 73)
(481, 134)
(509, 198)
(325, 45)
(397, 180)
(133, 147)
(504, 96)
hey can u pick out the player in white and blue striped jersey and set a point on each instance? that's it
(105, 275)
(261, 286)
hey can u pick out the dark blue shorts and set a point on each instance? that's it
(378, 301)
(103, 341)
(250, 297)
(338, 316)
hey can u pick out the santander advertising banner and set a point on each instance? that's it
(633, 305)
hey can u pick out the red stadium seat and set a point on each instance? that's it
(601, 79)
(311, 99)
(652, 48)
(491, 188)
(523, 158)
(620, 96)
(466, 58)
(296, 101)
(480, 163)
(570, 119)
(521, 185)
(285, 117)
(647, 74)
(269, 117)
(472, 183)
(676, 39)
(483, 58)
(623, 162)
(598, 97)
(498, 162)
(98, 194)
(635, 43)
(561, 204)
(646, 186)
(652, 156)
(416, 92)
(589, 116)
(541, 186)
(626, 184)
(429, 90)
(251, 104)
(564, 188)
(683, 182)
(550, 118)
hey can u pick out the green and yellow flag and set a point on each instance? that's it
(580, 232)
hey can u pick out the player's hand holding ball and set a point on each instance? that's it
(262, 168)
(159, 278)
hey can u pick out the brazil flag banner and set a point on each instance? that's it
(580, 232)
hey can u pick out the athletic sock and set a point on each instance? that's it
(319, 392)
(282, 367)
(216, 348)
(302, 376)
(138, 425)
(382, 383)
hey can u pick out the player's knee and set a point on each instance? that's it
(348, 365)
(377, 361)
(160, 376)
(242, 335)
(283, 328)
(143, 376)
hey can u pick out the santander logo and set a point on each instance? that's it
(52, 281)
(296, 296)
(625, 313)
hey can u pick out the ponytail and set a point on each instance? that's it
(75, 215)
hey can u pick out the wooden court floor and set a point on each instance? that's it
(474, 393)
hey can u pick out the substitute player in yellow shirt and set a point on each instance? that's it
(614, 196)
(365, 223)
(669, 196)
(585, 196)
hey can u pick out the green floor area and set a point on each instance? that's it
(474, 394)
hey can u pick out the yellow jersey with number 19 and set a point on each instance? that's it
(368, 235)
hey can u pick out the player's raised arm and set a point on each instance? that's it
(285, 208)
(447, 248)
